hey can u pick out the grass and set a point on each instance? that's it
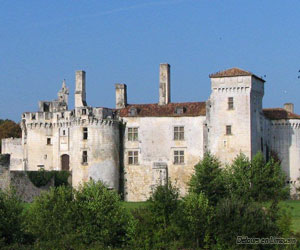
(294, 208)
(134, 205)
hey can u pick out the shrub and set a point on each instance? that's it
(100, 215)
(10, 218)
(51, 218)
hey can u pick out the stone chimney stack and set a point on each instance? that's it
(289, 107)
(80, 94)
(164, 84)
(121, 95)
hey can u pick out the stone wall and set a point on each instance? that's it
(22, 184)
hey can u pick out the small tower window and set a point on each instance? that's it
(85, 133)
(64, 132)
(48, 141)
(84, 157)
(230, 103)
(228, 130)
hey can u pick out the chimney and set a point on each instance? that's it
(80, 94)
(121, 95)
(164, 84)
(289, 107)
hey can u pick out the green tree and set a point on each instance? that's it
(10, 218)
(51, 218)
(101, 218)
(235, 217)
(158, 225)
(268, 181)
(9, 129)
(197, 216)
(208, 179)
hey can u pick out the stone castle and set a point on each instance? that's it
(135, 147)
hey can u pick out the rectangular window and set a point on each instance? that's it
(230, 103)
(179, 133)
(84, 111)
(84, 157)
(133, 157)
(228, 130)
(64, 132)
(133, 134)
(85, 133)
(178, 157)
(48, 141)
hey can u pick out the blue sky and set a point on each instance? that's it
(123, 41)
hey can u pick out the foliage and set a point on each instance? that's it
(268, 181)
(61, 178)
(9, 129)
(157, 226)
(100, 215)
(51, 217)
(208, 179)
(10, 218)
(42, 177)
(235, 217)
(198, 215)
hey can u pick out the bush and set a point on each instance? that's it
(197, 216)
(100, 215)
(10, 218)
(51, 217)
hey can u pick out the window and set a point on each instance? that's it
(48, 141)
(133, 134)
(40, 166)
(84, 111)
(133, 157)
(228, 130)
(84, 157)
(132, 112)
(179, 133)
(85, 133)
(178, 157)
(179, 110)
(230, 103)
(33, 117)
(64, 132)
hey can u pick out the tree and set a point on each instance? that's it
(268, 181)
(51, 218)
(197, 215)
(208, 179)
(10, 218)
(9, 129)
(101, 218)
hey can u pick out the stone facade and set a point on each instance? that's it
(145, 145)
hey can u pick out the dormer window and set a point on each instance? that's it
(179, 110)
(132, 112)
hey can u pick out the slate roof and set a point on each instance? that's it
(234, 72)
(279, 113)
(168, 110)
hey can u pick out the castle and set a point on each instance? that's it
(144, 145)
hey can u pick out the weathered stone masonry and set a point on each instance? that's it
(144, 145)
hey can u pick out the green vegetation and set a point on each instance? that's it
(222, 203)
(9, 129)
(42, 177)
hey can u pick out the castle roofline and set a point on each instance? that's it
(167, 110)
(279, 114)
(233, 72)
